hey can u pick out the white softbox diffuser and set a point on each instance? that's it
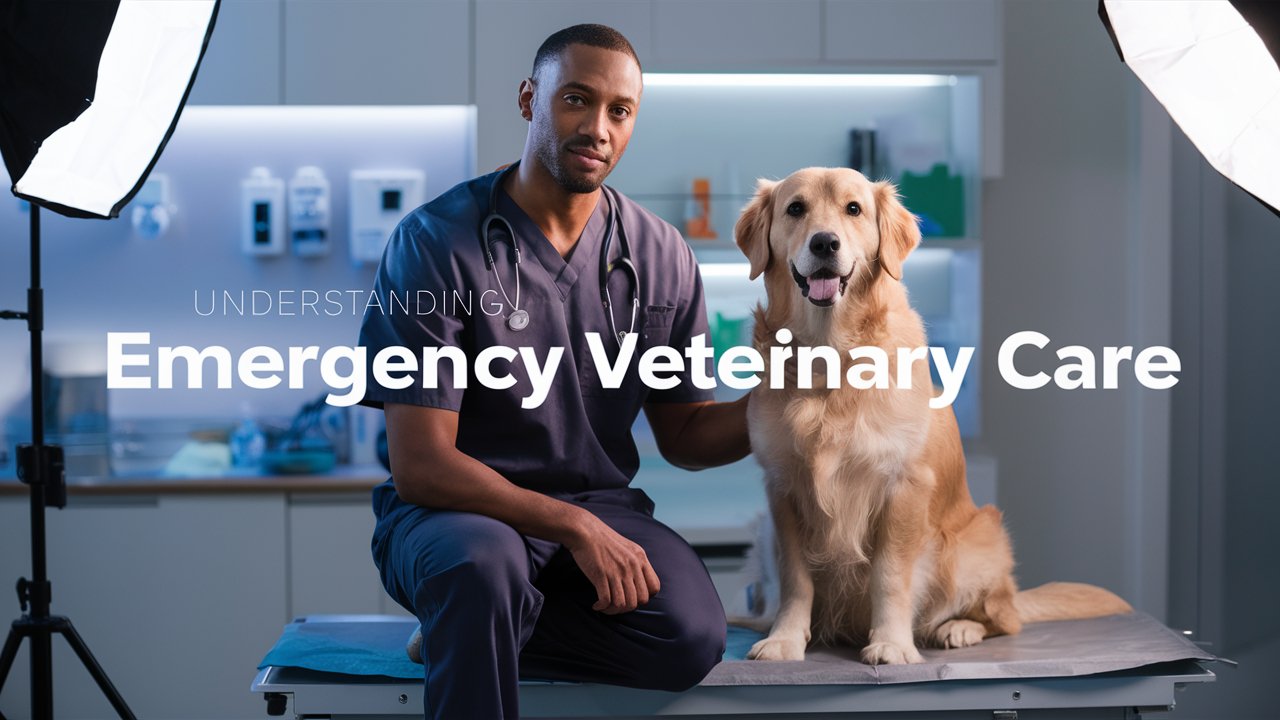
(93, 165)
(1212, 71)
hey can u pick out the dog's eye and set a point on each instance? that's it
(795, 209)
(854, 208)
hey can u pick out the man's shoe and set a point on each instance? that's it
(414, 646)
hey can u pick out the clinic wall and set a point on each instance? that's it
(1063, 254)
(1224, 583)
(1227, 502)
(99, 276)
(1252, 576)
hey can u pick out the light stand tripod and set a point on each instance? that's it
(41, 467)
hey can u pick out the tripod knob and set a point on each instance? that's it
(44, 466)
(24, 593)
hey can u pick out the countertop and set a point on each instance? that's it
(713, 506)
(344, 478)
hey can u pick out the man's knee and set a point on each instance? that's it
(691, 640)
(691, 654)
(694, 632)
(481, 563)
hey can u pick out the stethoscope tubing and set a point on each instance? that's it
(519, 318)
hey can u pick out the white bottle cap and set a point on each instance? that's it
(309, 173)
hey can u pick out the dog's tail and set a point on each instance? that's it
(1067, 601)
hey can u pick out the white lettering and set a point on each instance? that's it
(1009, 372)
(394, 359)
(540, 376)
(117, 360)
(260, 359)
(1168, 362)
(952, 376)
(353, 381)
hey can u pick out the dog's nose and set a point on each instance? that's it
(824, 244)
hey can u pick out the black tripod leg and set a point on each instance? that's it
(99, 675)
(41, 674)
(7, 656)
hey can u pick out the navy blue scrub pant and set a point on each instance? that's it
(496, 605)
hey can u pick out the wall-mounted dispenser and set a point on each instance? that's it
(309, 212)
(379, 199)
(151, 209)
(262, 213)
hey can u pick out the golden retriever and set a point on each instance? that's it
(879, 542)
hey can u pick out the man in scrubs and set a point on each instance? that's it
(511, 532)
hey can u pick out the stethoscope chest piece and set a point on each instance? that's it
(518, 320)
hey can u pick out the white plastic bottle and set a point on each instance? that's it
(309, 212)
(248, 442)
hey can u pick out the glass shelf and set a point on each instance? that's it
(725, 210)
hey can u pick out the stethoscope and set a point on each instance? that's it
(519, 318)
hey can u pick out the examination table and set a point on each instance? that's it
(1122, 666)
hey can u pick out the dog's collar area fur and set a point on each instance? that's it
(803, 283)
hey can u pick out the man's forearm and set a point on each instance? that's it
(460, 482)
(715, 434)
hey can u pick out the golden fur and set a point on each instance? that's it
(879, 541)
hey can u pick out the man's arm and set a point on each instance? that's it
(700, 435)
(428, 469)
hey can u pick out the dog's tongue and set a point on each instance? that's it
(822, 288)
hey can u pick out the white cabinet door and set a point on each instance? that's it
(754, 35)
(330, 567)
(178, 598)
(912, 31)
(242, 63)
(377, 52)
(961, 36)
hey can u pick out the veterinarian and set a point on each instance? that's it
(512, 533)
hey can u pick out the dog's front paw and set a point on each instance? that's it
(887, 653)
(778, 648)
(959, 633)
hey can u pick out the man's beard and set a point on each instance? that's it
(551, 155)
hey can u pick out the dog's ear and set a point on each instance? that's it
(899, 232)
(752, 229)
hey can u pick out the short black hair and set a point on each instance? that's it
(600, 36)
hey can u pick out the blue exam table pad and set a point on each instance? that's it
(372, 646)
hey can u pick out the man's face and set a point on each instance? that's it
(582, 112)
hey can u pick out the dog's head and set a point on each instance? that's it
(829, 230)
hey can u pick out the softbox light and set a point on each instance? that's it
(90, 92)
(1211, 63)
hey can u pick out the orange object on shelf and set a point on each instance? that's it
(697, 223)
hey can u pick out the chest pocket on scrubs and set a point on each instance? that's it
(655, 331)
(657, 325)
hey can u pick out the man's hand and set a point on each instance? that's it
(617, 567)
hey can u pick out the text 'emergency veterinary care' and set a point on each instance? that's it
(739, 367)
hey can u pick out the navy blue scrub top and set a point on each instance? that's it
(579, 439)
